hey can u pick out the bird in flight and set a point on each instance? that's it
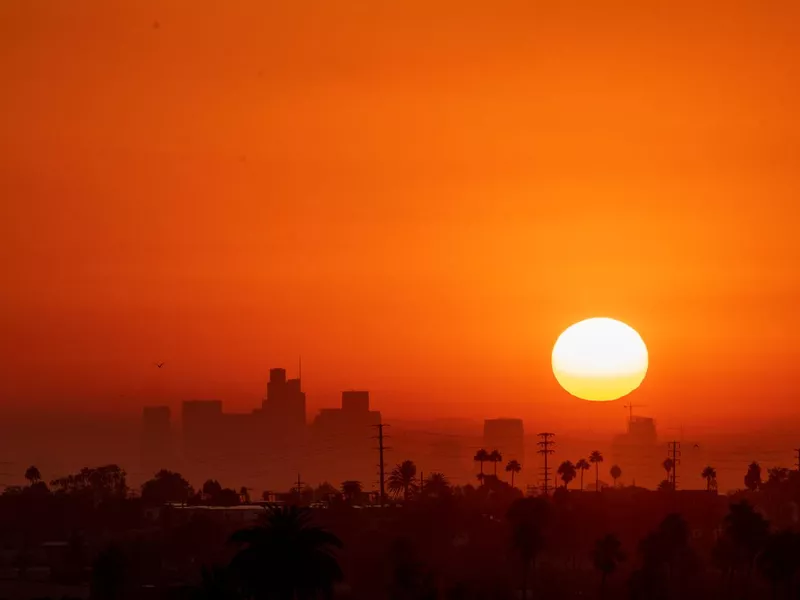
(697, 445)
(159, 365)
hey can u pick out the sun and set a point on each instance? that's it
(599, 359)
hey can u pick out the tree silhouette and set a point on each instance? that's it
(33, 475)
(481, 456)
(244, 494)
(776, 477)
(615, 473)
(286, 558)
(596, 458)
(747, 531)
(710, 475)
(513, 467)
(667, 550)
(165, 487)
(752, 480)
(410, 578)
(436, 485)
(402, 479)
(495, 457)
(98, 483)
(606, 556)
(665, 486)
(582, 466)
(567, 471)
(211, 490)
(527, 517)
(780, 560)
(325, 491)
(351, 490)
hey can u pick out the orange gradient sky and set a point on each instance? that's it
(417, 199)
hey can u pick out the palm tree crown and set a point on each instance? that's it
(286, 558)
(567, 471)
(481, 456)
(437, 485)
(495, 457)
(513, 467)
(402, 479)
(582, 465)
(710, 475)
(596, 458)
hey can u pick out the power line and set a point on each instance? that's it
(545, 447)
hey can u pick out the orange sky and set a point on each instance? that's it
(417, 199)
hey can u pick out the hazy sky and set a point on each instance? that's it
(417, 199)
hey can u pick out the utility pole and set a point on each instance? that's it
(675, 450)
(546, 447)
(381, 449)
(299, 485)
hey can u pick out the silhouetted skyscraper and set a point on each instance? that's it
(201, 421)
(343, 443)
(284, 408)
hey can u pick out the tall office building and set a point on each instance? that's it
(507, 436)
(638, 452)
(156, 440)
(201, 421)
(343, 441)
(284, 408)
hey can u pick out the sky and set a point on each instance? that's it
(416, 198)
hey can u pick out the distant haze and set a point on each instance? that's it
(416, 198)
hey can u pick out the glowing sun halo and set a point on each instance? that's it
(599, 359)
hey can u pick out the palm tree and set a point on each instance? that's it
(527, 517)
(437, 485)
(402, 479)
(582, 465)
(596, 458)
(747, 531)
(710, 475)
(607, 555)
(513, 467)
(481, 456)
(286, 558)
(780, 560)
(527, 541)
(668, 466)
(33, 475)
(495, 457)
(567, 471)
(752, 480)
(351, 490)
(615, 473)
